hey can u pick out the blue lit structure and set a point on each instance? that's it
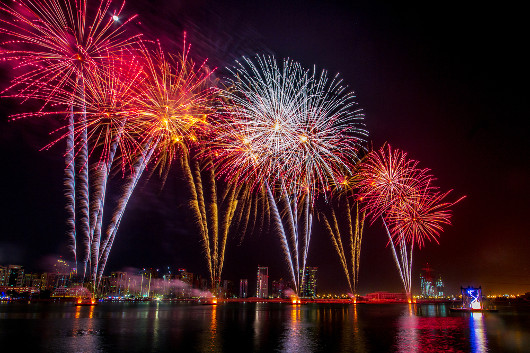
(472, 298)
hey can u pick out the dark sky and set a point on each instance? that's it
(443, 81)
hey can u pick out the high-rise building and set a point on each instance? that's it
(15, 276)
(3, 276)
(243, 288)
(430, 288)
(439, 287)
(308, 285)
(263, 282)
(118, 283)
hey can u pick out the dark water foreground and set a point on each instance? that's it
(240, 327)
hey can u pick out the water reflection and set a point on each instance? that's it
(297, 336)
(211, 340)
(84, 336)
(479, 343)
(407, 331)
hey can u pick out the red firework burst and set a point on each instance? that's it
(388, 177)
(421, 218)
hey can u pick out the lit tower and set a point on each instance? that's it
(427, 282)
(243, 288)
(308, 287)
(263, 282)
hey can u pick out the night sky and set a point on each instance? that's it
(443, 81)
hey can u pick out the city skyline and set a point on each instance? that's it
(422, 89)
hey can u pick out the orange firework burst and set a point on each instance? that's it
(174, 102)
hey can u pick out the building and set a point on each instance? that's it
(118, 284)
(243, 288)
(15, 276)
(3, 276)
(308, 284)
(439, 287)
(262, 290)
(430, 288)
(278, 288)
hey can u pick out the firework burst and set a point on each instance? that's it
(403, 195)
(290, 130)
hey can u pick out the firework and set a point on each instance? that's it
(350, 234)
(53, 41)
(388, 177)
(171, 106)
(58, 45)
(290, 130)
(214, 205)
(403, 196)
(422, 218)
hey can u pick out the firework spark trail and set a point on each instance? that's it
(339, 235)
(225, 226)
(356, 259)
(279, 226)
(334, 237)
(290, 129)
(194, 205)
(114, 224)
(218, 216)
(399, 264)
(412, 210)
(69, 187)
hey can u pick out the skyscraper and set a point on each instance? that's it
(263, 282)
(429, 286)
(308, 285)
(243, 288)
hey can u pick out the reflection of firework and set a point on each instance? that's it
(291, 130)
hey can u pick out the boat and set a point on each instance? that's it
(470, 310)
(86, 301)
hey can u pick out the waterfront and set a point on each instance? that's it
(260, 327)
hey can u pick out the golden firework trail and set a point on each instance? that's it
(346, 239)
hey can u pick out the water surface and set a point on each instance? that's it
(260, 327)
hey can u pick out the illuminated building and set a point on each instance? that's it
(3, 276)
(15, 276)
(308, 285)
(117, 284)
(243, 288)
(439, 287)
(431, 288)
(262, 290)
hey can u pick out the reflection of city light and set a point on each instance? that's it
(478, 333)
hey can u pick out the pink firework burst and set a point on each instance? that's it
(388, 177)
(421, 218)
(54, 41)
